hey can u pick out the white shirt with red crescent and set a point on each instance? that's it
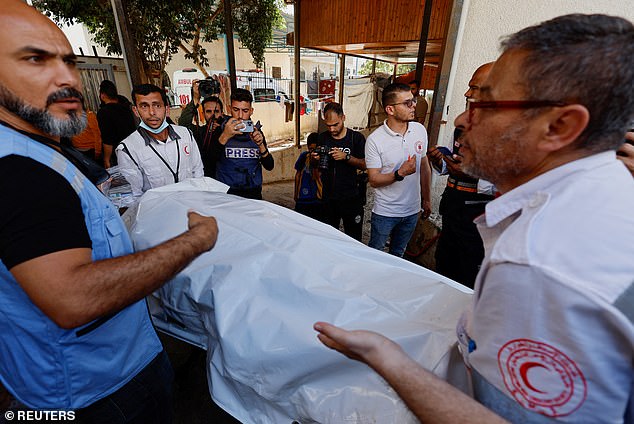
(550, 332)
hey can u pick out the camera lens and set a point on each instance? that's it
(208, 87)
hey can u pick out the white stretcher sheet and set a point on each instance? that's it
(253, 299)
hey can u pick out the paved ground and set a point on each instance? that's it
(281, 193)
(192, 401)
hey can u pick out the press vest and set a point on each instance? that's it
(48, 367)
(239, 167)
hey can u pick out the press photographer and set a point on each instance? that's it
(202, 119)
(193, 115)
(241, 149)
(340, 153)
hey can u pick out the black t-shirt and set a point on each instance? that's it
(116, 122)
(41, 212)
(340, 178)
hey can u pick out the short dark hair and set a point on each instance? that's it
(414, 81)
(241, 95)
(333, 107)
(582, 59)
(390, 93)
(145, 89)
(108, 88)
(312, 138)
(214, 99)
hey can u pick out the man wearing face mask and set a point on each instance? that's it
(157, 153)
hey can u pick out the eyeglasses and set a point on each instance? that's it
(407, 103)
(473, 104)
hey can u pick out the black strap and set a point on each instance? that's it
(89, 168)
(125, 149)
(178, 160)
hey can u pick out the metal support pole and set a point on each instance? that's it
(422, 46)
(444, 70)
(296, 52)
(342, 73)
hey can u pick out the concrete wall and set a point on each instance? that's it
(274, 125)
(485, 22)
(244, 61)
(285, 158)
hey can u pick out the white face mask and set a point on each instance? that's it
(152, 130)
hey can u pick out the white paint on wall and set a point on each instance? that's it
(486, 22)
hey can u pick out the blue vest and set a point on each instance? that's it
(45, 366)
(308, 186)
(239, 166)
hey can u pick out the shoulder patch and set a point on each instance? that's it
(542, 378)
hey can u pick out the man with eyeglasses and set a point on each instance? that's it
(550, 335)
(459, 251)
(395, 155)
(157, 153)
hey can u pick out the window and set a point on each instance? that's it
(263, 94)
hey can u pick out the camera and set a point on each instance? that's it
(248, 126)
(324, 157)
(208, 87)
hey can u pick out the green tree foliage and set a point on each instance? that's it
(385, 67)
(160, 28)
(366, 68)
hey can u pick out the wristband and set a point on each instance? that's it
(348, 156)
(398, 177)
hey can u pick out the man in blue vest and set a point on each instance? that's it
(75, 335)
(241, 149)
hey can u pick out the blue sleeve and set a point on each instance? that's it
(299, 164)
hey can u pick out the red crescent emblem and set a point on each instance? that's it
(542, 378)
(186, 150)
(524, 368)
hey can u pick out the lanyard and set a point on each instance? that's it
(178, 159)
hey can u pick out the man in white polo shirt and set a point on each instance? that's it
(399, 171)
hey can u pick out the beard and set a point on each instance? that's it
(42, 119)
(500, 158)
